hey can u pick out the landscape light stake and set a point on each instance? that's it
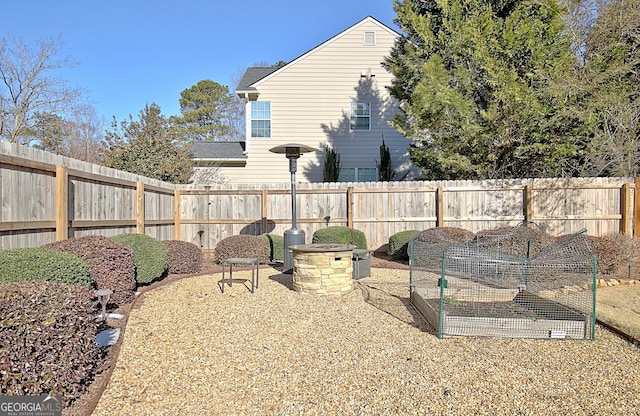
(103, 298)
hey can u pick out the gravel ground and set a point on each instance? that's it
(191, 350)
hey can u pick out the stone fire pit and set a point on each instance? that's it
(322, 269)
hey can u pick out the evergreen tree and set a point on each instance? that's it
(607, 98)
(474, 79)
(385, 173)
(147, 147)
(332, 165)
(208, 113)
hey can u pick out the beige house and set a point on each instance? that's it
(334, 95)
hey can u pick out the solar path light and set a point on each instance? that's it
(292, 151)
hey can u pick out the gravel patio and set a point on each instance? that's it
(189, 349)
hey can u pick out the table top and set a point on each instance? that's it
(241, 260)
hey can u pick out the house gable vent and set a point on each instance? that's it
(369, 38)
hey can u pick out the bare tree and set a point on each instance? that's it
(86, 135)
(27, 86)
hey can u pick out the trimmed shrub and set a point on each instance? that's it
(43, 264)
(276, 244)
(399, 242)
(518, 240)
(184, 257)
(48, 339)
(445, 235)
(150, 256)
(110, 264)
(610, 253)
(243, 245)
(340, 235)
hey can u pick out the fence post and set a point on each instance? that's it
(62, 203)
(625, 209)
(636, 209)
(140, 207)
(265, 212)
(176, 214)
(527, 204)
(350, 207)
(439, 207)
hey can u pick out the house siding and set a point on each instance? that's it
(310, 104)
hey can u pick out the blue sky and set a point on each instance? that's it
(132, 52)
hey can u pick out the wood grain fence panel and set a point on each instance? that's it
(103, 201)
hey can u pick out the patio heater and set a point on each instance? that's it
(292, 151)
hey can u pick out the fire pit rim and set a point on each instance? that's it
(322, 247)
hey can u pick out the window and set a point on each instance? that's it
(360, 116)
(358, 175)
(260, 119)
(369, 38)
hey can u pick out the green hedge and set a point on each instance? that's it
(276, 244)
(45, 265)
(340, 235)
(150, 256)
(399, 243)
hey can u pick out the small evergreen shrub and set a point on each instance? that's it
(340, 235)
(48, 339)
(150, 256)
(399, 243)
(110, 264)
(276, 245)
(184, 257)
(43, 264)
(243, 245)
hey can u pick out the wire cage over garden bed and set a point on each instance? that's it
(506, 284)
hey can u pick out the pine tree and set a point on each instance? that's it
(473, 79)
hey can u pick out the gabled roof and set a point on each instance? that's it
(218, 151)
(252, 75)
(256, 75)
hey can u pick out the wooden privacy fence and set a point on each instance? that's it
(380, 209)
(46, 197)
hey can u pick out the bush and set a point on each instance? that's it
(445, 235)
(518, 241)
(243, 245)
(399, 243)
(48, 339)
(611, 252)
(340, 235)
(43, 264)
(276, 244)
(184, 257)
(150, 256)
(110, 264)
